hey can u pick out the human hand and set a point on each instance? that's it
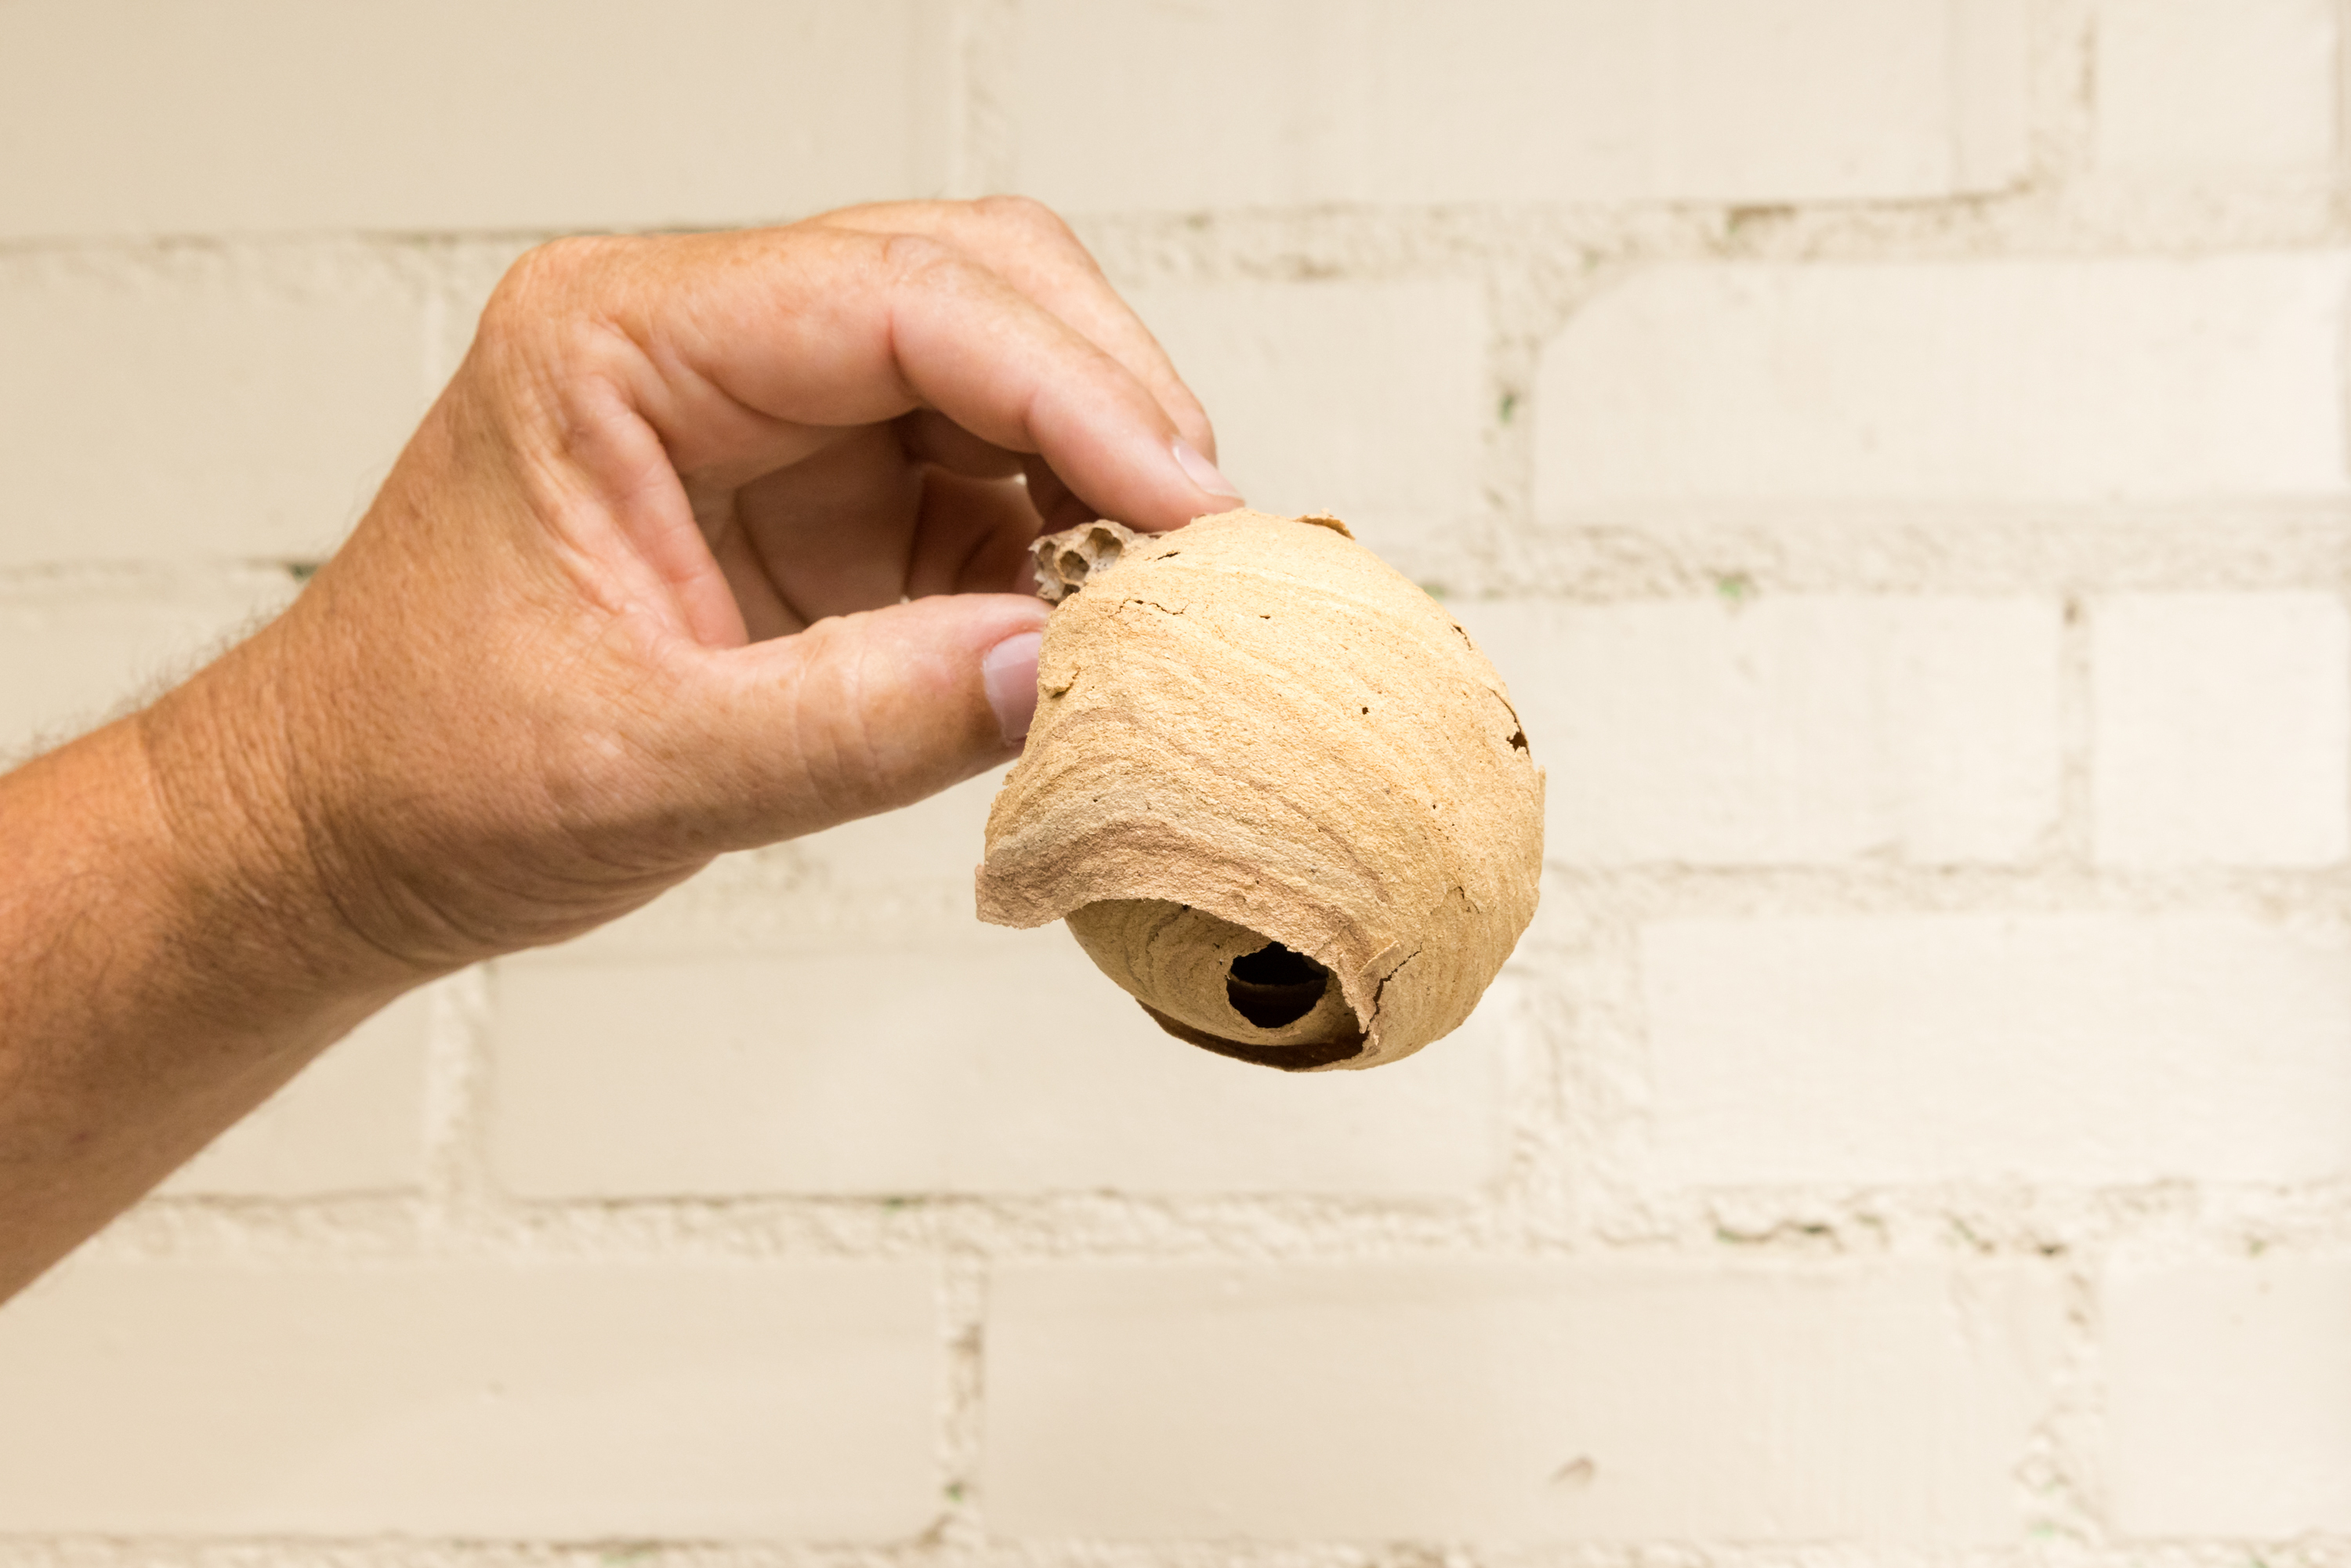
(713, 540)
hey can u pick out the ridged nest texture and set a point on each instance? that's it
(1277, 792)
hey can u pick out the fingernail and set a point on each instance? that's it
(1201, 472)
(1009, 673)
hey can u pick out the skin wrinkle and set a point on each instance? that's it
(597, 400)
(176, 814)
(854, 756)
(858, 723)
(574, 527)
(795, 739)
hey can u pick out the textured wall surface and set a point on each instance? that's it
(1895, 449)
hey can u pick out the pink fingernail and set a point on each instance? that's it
(1009, 673)
(1203, 472)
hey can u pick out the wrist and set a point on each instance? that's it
(238, 855)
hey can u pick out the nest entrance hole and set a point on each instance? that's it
(1274, 985)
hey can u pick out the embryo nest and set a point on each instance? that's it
(1274, 789)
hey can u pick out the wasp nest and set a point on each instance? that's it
(1277, 793)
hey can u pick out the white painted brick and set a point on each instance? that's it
(198, 414)
(1499, 1401)
(2188, 88)
(1003, 1064)
(573, 1401)
(2076, 1049)
(2228, 1402)
(902, 877)
(72, 658)
(932, 846)
(1496, 101)
(2224, 728)
(121, 117)
(1785, 730)
(353, 1121)
(1369, 400)
(2079, 382)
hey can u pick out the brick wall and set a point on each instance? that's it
(1896, 450)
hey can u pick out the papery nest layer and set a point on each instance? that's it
(1275, 790)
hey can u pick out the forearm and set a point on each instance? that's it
(168, 959)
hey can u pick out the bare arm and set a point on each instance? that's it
(165, 960)
(711, 542)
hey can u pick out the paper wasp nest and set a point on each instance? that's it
(1273, 788)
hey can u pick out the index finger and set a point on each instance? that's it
(1026, 244)
(815, 329)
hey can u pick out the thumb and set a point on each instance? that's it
(860, 713)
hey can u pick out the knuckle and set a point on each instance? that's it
(554, 268)
(548, 327)
(914, 257)
(843, 767)
(547, 285)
